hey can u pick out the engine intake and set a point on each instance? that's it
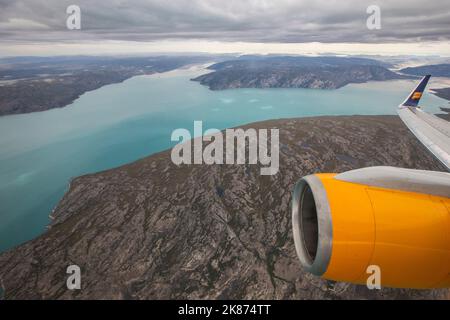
(397, 219)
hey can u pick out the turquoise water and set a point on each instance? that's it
(119, 123)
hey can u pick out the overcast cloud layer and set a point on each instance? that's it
(227, 20)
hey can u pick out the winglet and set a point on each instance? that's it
(414, 98)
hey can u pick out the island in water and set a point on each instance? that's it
(295, 72)
(312, 72)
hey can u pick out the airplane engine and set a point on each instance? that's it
(393, 218)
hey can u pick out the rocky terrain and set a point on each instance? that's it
(295, 72)
(153, 230)
(38, 84)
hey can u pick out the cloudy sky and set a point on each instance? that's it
(303, 26)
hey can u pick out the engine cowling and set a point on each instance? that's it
(393, 218)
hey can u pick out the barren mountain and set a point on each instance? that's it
(295, 72)
(154, 230)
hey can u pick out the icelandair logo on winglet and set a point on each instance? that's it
(416, 95)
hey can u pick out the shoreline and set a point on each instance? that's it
(70, 185)
(197, 70)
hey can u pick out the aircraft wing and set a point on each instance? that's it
(432, 132)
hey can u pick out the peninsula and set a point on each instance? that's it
(155, 230)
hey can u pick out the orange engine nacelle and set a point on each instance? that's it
(396, 219)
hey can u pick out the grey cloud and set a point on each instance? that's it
(252, 21)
